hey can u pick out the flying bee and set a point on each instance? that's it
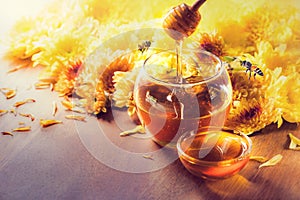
(244, 63)
(144, 46)
(251, 68)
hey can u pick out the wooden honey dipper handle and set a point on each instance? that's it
(197, 5)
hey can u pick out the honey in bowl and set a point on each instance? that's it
(214, 154)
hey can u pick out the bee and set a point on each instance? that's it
(247, 64)
(251, 68)
(144, 46)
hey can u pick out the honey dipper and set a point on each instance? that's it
(182, 20)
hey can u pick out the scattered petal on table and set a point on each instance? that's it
(273, 161)
(49, 122)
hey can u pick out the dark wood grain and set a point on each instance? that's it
(53, 163)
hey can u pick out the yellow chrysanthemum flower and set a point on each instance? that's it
(291, 104)
(124, 84)
(25, 37)
(68, 42)
(249, 116)
(289, 59)
(67, 78)
(253, 105)
(233, 34)
(253, 22)
(89, 84)
(122, 63)
(28, 34)
(287, 90)
(63, 50)
(124, 80)
(100, 100)
(95, 98)
(213, 43)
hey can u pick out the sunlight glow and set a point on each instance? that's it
(12, 10)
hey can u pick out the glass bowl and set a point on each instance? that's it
(213, 153)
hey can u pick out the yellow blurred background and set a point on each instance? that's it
(124, 10)
(11, 11)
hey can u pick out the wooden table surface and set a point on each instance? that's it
(58, 162)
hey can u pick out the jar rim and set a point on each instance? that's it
(220, 67)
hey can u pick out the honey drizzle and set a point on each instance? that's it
(178, 49)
